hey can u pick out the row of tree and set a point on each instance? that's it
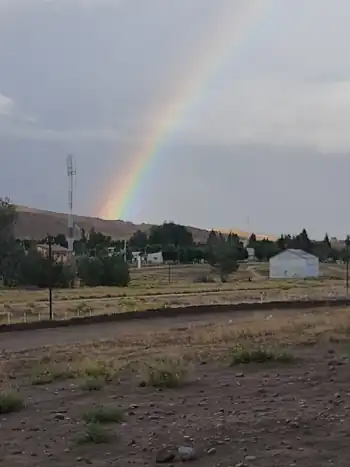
(21, 264)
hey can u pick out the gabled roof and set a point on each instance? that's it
(299, 253)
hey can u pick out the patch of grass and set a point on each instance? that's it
(166, 372)
(99, 370)
(10, 402)
(103, 415)
(245, 355)
(49, 374)
(95, 434)
(92, 384)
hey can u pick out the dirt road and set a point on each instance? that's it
(20, 341)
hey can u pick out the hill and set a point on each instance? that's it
(36, 224)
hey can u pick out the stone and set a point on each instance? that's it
(187, 453)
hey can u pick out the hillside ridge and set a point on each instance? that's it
(33, 223)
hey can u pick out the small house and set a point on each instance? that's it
(293, 264)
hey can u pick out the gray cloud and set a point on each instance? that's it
(96, 77)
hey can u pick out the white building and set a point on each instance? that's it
(251, 254)
(293, 264)
(155, 258)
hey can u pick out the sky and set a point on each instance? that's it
(264, 146)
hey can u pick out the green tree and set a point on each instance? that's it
(170, 233)
(39, 271)
(265, 249)
(213, 238)
(90, 270)
(8, 246)
(106, 271)
(223, 258)
(138, 240)
(327, 242)
(252, 241)
(98, 243)
(61, 240)
(115, 272)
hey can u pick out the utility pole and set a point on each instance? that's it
(347, 243)
(50, 241)
(71, 172)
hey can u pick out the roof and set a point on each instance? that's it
(299, 253)
(55, 248)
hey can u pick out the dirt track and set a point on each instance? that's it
(18, 341)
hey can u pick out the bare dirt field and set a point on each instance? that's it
(246, 389)
(150, 288)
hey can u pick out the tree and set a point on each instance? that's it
(107, 271)
(98, 243)
(115, 272)
(305, 243)
(252, 241)
(90, 270)
(138, 240)
(265, 249)
(213, 238)
(61, 240)
(8, 246)
(223, 258)
(170, 233)
(39, 271)
(327, 242)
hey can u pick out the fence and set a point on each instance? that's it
(165, 287)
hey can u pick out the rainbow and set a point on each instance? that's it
(231, 29)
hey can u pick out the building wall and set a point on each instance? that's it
(288, 266)
(155, 258)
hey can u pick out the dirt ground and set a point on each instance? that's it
(283, 413)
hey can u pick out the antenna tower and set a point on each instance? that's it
(71, 172)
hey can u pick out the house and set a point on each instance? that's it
(251, 254)
(155, 258)
(293, 264)
(59, 253)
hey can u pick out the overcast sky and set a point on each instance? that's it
(265, 145)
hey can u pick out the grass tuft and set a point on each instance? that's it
(10, 402)
(166, 373)
(95, 434)
(92, 384)
(103, 415)
(49, 374)
(244, 355)
(99, 370)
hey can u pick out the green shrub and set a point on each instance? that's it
(166, 372)
(10, 402)
(95, 434)
(246, 355)
(92, 384)
(104, 415)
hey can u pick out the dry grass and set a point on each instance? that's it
(150, 289)
(163, 357)
(166, 372)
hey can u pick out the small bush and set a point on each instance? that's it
(104, 415)
(10, 402)
(166, 372)
(99, 370)
(92, 384)
(49, 374)
(94, 433)
(245, 355)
